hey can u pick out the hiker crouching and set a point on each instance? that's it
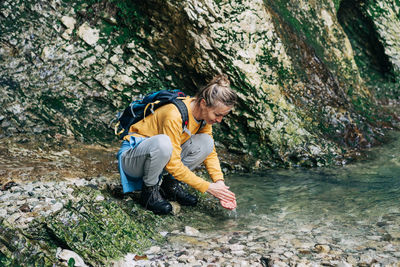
(160, 152)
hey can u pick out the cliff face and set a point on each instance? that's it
(307, 72)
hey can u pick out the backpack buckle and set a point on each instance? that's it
(116, 127)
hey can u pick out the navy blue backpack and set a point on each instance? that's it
(141, 108)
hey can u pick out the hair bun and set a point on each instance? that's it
(221, 80)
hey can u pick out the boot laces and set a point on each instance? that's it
(154, 194)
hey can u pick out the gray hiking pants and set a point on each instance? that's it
(148, 159)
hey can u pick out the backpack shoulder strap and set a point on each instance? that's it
(184, 114)
(202, 124)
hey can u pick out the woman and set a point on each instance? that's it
(159, 143)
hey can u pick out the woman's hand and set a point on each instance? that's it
(228, 205)
(221, 191)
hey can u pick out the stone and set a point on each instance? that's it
(89, 61)
(47, 53)
(99, 198)
(176, 208)
(343, 264)
(68, 22)
(366, 259)
(124, 79)
(66, 255)
(57, 206)
(153, 250)
(236, 247)
(127, 261)
(88, 34)
(3, 213)
(322, 248)
(115, 59)
(25, 208)
(13, 218)
(190, 231)
(164, 233)
(351, 260)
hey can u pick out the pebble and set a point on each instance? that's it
(322, 248)
(3, 213)
(153, 250)
(99, 198)
(56, 207)
(367, 259)
(190, 231)
(343, 264)
(13, 218)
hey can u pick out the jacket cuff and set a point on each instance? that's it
(204, 187)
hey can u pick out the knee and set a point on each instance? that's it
(163, 145)
(207, 143)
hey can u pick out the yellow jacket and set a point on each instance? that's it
(167, 120)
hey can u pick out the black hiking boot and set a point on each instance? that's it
(152, 200)
(173, 190)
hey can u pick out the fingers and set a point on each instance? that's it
(228, 205)
(221, 192)
(225, 195)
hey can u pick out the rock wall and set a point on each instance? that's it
(300, 69)
(373, 31)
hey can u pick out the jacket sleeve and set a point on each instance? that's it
(212, 162)
(173, 128)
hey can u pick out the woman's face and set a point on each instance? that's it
(213, 114)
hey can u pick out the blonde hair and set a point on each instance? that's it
(217, 91)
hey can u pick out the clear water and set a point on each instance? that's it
(358, 191)
(350, 206)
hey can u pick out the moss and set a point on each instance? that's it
(5, 261)
(18, 249)
(306, 29)
(370, 53)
